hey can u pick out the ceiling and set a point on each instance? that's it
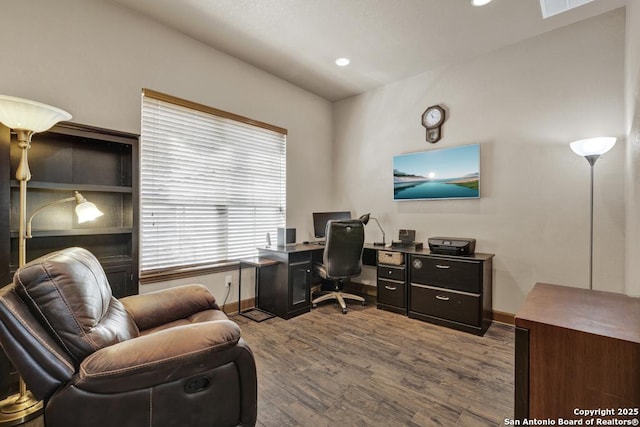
(386, 40)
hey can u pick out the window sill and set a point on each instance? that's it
(189, 271)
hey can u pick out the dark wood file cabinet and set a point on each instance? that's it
(452, 291)
(391, 280)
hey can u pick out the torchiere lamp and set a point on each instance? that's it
(591, 149)
(25, 117)
(365, 219)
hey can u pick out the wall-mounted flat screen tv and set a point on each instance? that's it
(447, 173)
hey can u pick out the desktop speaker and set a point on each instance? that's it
(286, 236)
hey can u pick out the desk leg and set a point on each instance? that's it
(256, 286)
(239, 288)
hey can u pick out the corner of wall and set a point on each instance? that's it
(632, 173)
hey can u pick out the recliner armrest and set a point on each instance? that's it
(157, 358)
(160, 307)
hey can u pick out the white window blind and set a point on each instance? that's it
(211, 186)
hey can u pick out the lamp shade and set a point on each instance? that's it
(18, 113)
(593, 146)
(87, 211)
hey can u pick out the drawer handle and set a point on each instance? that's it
(391, 288)
(442, 298)
(444, 267)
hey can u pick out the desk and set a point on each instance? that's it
(287, 290)
(576, 348)
(453, 291)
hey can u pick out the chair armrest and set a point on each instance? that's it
(160, 307)
(157, 358)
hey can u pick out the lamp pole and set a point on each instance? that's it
(23, 175)
(592, 161)
(24, 406)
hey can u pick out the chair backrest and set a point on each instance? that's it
(342, 256)
(58, 310)
(68, 292)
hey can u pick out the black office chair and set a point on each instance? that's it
(342, 259)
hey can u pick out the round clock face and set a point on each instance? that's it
(432, 117)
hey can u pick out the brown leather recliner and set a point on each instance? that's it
(168, 358)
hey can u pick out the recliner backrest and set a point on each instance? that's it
(68, 292)
(342, 255)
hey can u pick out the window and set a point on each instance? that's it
(212, 184)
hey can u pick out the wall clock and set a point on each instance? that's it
(432, 120)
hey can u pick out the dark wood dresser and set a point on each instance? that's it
(576, 349)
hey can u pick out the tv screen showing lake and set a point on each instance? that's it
(450, 173)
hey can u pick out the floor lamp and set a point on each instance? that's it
(25, 117)
(591, 149)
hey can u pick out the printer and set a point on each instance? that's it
(452, 245)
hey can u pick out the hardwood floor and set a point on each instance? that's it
(375, 368)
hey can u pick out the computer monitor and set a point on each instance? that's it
(320, 221)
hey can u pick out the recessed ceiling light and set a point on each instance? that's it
(480, 2)
(342, 62)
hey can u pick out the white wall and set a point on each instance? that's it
(632, 92)
(523, 104)
(93, 57)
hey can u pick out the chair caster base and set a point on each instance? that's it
(340, 297)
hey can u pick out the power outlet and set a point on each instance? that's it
(227, 281)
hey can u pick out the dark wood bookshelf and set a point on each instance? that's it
(102, 164)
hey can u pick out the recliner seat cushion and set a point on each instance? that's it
(69, 292)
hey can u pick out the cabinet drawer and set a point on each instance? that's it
(296, 257)
(460, 275)
(390, 257)
(391, 293)
(456, 306)
(391, 272)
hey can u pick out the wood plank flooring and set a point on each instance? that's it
(375, 368)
